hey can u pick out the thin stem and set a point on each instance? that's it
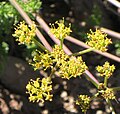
(79, 43)
(82, 52)
(94, 96)
(111, 107)
(116, 88)
(61, 43)
(29, 21)
(94, 82)
(39, 44)
(105, 81)
(53, 71)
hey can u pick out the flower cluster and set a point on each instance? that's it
(106, 70)
(59, 55)
(61, 31)
(105, 92)
(84, 102)
(72, 68)
(98, 40)
(39, 90)
(42, 60)
(24, 34)
(108, 93)
(68, 66)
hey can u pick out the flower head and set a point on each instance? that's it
(106, 69)
(72, 68)
(108, 94)
(39, 90)
(58, 55)
(61, 31)
(84, 102)
(24, 34)
(98, 40)
(105, 92)
(42, 60)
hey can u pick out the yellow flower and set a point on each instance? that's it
(72, 68)
(98, 40)
(84, 102)
(106, 93)
(106, 69)
(39, 90)
(61, 31)
(59, 55)
(42, 60)
(24, 34)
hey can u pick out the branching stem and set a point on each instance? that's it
(82, 52)
(92, 80)
(53, 71)
(39, 44)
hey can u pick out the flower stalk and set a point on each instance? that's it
(95, 83)
(61, 43)
(111, 106)
(82, 52)
(105, 81)
(39, 44)
(116, 88)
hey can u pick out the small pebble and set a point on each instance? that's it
(99, 112)
(63, 94)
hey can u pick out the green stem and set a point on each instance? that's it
(116, 88)
(39, 44)
(82, 52)
(94, 82)
(94, 96)
(105, 81)
(53, 71)
(61, 43)
(111, 107)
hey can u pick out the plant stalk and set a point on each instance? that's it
(111, 107)
(105, 81)
(82, 52)
(39, 44)
(116, 88)
(61, 43)
(93, 80)
(53, 71)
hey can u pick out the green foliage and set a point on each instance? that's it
(4, 48)
(30, 6)
(96, 17)
(117, 46)
(9, 16)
